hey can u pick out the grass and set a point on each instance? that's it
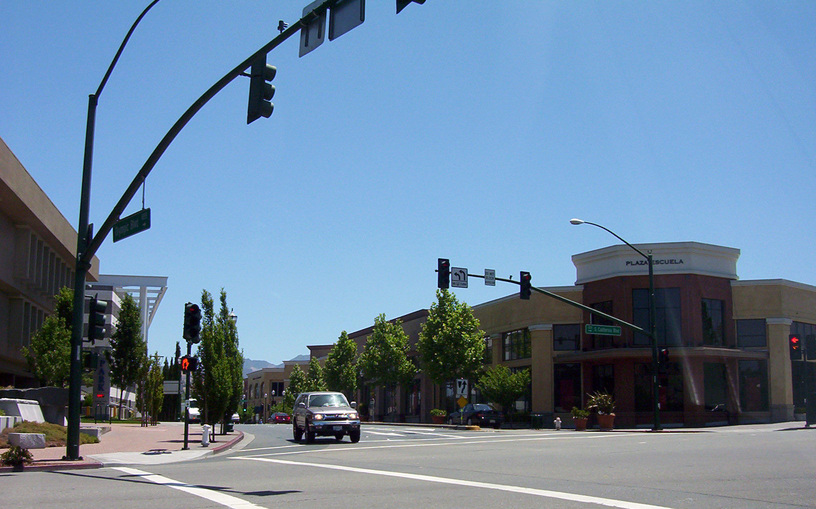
(55, 435)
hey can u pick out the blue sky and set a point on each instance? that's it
(468, 130)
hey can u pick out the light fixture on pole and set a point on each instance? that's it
(651, 333)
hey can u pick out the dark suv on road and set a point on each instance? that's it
(325, 414)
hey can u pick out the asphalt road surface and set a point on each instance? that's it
(412, 467)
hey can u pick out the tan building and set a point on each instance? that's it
(727, 342)
(37, 258)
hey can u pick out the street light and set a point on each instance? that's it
(651, 333)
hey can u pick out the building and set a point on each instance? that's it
(727, 342)
(37, 258)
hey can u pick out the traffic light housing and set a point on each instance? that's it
(401, 4)
(526, 288)
(96, 319)
(192, 323)
(795, 344)
(663, 360)
(189, 363)
(443, 276)
(260, 92)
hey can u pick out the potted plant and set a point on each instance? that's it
(603, 404)
(438, 416)
(580, 417)
(16, 456)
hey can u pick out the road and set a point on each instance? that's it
(409, 467)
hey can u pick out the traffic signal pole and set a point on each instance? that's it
(87, 244)
(187, 400)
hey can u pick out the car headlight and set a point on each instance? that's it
(318, 417)
(352, 415)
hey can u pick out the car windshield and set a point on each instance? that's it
(330, 400)
(482, 408)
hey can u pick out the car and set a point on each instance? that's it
(235, 418)
(280, 418)
(480, 414)
(325, 414)
(194, 415)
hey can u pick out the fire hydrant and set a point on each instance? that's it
(557, 423)
(205, 435)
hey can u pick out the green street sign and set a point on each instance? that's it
(605, 330)
(131, 225)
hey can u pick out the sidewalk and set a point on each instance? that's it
(134, 444)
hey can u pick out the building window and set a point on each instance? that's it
(488, 350)
(670, 396)
(667, 315)
(712, 312)
(600, 341)
(567, 337)
(603, 378)
(753, 377)
(751, 333)
(517, 345)
(567, 386)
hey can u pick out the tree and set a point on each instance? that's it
(384, 361)
(314, 377)
(297, 384)
(215, 382)
(500, 385)
(128, 348)
(151, 388)
(49, 351)
(234, 358)
(341, 366)
(450, 343)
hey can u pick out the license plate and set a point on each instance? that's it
(492, 421)
(337, 428)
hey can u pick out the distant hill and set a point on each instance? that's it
(253, 365)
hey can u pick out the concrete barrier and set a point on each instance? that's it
(8, 421)
(27, 440)
(26, 409)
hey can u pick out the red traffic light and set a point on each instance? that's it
(795, 347)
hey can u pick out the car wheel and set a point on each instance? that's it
(310, 434)
(354, 436)
(297, 433)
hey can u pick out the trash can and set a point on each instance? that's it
(205, 435)
(537, 421)
(229, 426)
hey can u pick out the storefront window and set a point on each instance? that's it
(488, 351)
(603, 378)
(670, 380)
(667, 315)
(712, 311)
(517, 345)
(567, 386)
(566, 337)
(753, 376)
(751, 333)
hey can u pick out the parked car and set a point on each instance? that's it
(194, 414)
(236, 418)
(325, 414)
(280, 418)
(480, 414)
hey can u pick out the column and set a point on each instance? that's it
(541, 346)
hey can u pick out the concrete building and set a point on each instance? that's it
(37, 258)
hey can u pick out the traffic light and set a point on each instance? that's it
(260, 92)
(96, 319)
(526, 288)
(795, 347)
(192, 323)
(443, 276)
(663, 360)
(189, 363)
(402, 3)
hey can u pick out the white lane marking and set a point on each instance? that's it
(386, 434)
(213, 496)
(433, 442)
(609, 502)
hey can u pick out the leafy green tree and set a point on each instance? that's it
(234, 358)
(49, 351)
(215, 382)
(341, 366)
(450, 343)
(297, 384)
(151, 388)
(385, 361)
(314, 377)
(500, 385)
(128, 348)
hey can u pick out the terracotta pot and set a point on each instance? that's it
(606, 421)
(580, 423)
(438, 419)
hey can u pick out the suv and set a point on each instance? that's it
(325, 414)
